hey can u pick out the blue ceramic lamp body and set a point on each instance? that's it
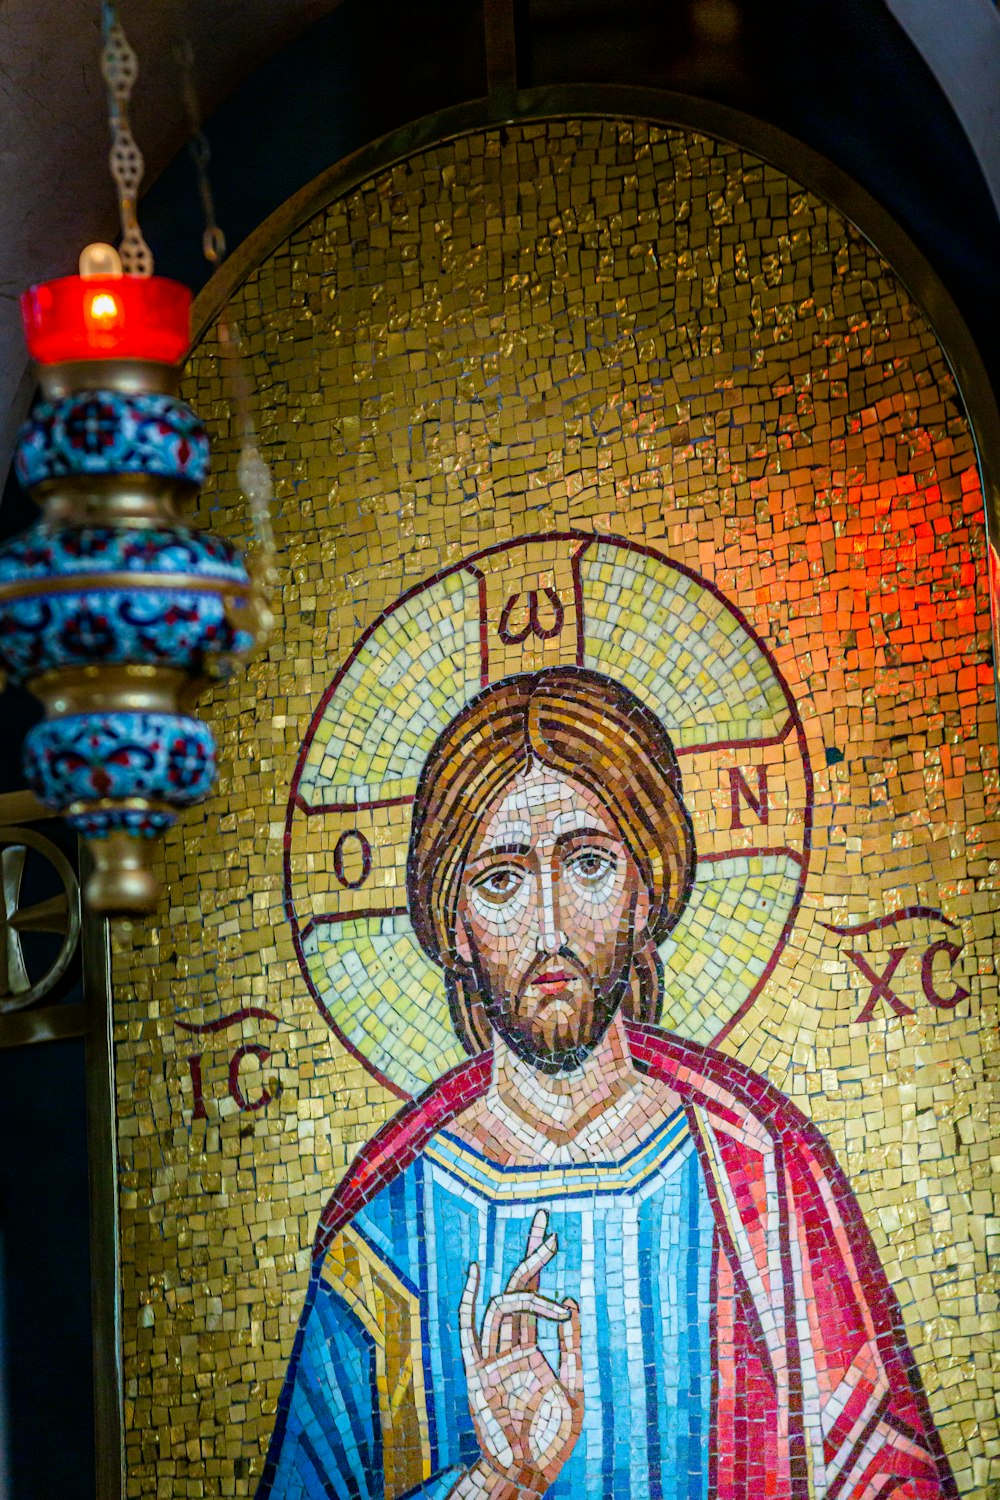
(112, 612)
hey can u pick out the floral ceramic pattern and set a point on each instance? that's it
(85, 757)
(140, 822)
(106, 432)
(159, 626)
(153, 626)
(45, 552)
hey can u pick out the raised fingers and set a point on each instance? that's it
(471, 1350)
(570, 1361)
(536, 1233)
(516, 1305)
(524, 1276)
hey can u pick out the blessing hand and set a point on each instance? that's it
(526, 1417)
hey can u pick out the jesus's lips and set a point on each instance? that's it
(552, 981)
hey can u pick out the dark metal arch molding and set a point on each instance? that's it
(774, 146)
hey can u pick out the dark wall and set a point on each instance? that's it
(45, 1326)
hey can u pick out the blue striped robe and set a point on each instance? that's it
(375, 1405)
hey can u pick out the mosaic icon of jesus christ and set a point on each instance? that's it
(594, 1259)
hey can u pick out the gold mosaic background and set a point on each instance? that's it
(637, 331)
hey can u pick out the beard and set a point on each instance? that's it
(556, 1033)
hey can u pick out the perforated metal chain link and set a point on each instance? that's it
(213, 241)
(120, 67)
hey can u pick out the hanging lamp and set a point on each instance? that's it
(113, 612)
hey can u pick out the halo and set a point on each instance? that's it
(557, 599)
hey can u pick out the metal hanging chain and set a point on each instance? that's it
(252, 471)
(120, 67)
(213, 241)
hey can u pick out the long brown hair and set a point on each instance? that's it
(579, 724)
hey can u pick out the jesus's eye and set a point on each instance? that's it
(592, 869)
(500, 884)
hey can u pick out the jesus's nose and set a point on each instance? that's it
(550, 939)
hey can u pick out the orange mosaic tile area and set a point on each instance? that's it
(612, 440)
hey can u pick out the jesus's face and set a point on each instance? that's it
(551, 907)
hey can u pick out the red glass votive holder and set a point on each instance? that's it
(107, 317)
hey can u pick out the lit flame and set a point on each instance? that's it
(103, 308)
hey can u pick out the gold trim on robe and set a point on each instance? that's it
(390, 1313)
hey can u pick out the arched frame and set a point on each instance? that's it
(764, 140)
(227, 975)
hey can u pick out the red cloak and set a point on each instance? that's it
(816, 1394)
